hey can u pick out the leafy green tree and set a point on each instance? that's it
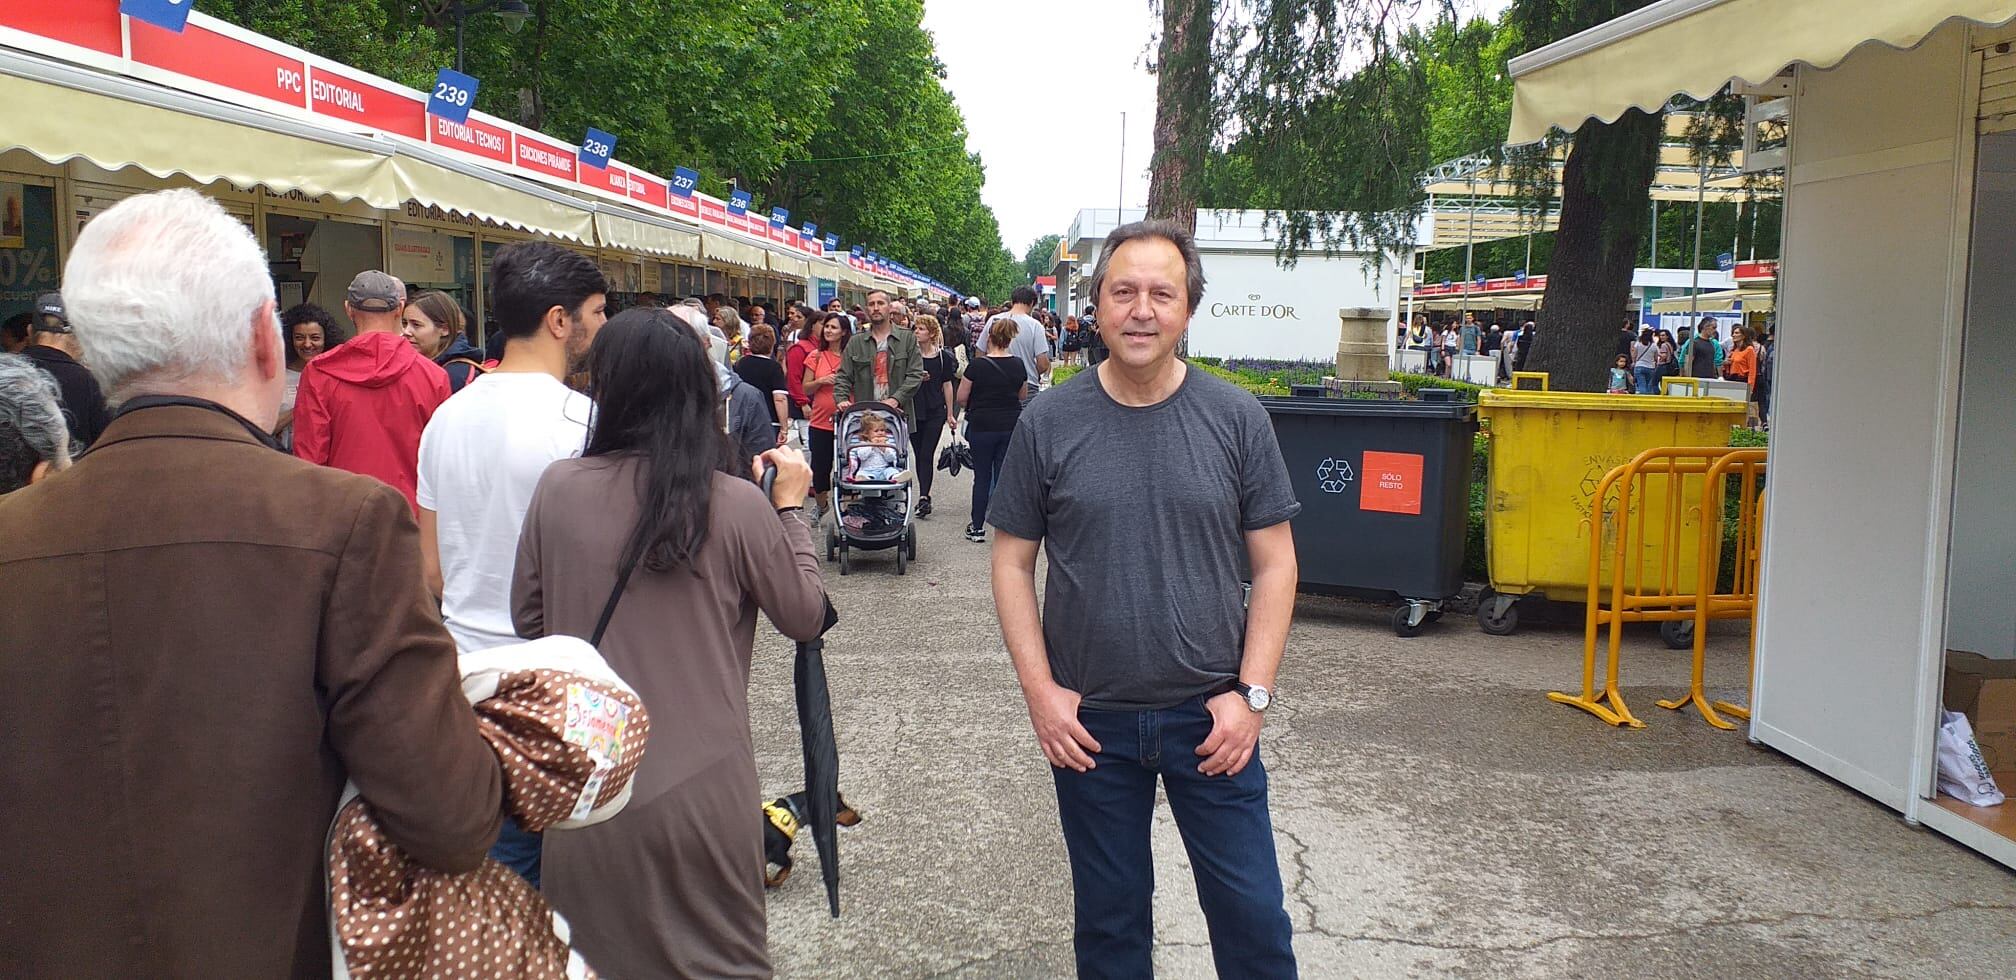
(834, 109)
(1037, 260)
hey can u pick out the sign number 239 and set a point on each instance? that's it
(454, 93)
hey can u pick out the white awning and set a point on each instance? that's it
(1694, 47)
(116, 123)
(721, 248)
(787, 265)
(646, 235)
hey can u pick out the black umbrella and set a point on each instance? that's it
(822, 758)
(956, 456)
(822, 750)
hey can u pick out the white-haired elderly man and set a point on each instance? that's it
(220, 636)
(34, 437)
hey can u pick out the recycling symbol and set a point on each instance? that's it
(1334, 475)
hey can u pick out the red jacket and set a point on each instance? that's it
(362, 406)
(794, 374)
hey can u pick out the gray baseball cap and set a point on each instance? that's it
(376, 292)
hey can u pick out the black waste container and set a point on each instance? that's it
(1385, 492)
(1306, 391)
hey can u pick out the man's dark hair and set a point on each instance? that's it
(1167, 231)
(16, 327)
(529, 278)
(1022, 296)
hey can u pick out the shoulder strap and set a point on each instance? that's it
(615, 596)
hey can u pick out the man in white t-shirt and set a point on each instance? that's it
(1030, 344)
(481, 457)
(483, 452)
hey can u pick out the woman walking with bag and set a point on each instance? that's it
(992, 398)
(934, 408)
(657, 544)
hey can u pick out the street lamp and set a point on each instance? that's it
(514, 13)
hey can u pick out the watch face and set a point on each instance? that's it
(1258, 698)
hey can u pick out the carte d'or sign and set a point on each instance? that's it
(1257, 307)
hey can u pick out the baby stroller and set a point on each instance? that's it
(874, 486)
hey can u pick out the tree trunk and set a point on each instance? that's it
(1605, 191)
(1182, 112)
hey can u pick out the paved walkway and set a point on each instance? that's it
(1434, 813)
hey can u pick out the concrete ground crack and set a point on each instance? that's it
(1761, 920)
(1302, 874)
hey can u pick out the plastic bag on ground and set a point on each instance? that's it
(1963, 774)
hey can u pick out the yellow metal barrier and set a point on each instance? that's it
(1740, 602)
(1521, 376)
(1667, 384)
(1657, 520)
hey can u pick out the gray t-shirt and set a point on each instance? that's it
(1029, 342)
(1143, 512)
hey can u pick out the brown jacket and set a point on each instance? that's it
(200, 639)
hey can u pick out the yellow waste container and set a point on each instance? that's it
(1549, 451)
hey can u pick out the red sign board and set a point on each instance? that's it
(93, 26)
(1392, 483)
(220, 59)
(540, 156)
(1754, 271)
(649, 190)
(1507, 284)
(344, 97)
(711, 211)
(611, 178)
(477, 137)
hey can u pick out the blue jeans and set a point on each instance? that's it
(1648, 380)
(989, 449)
(1106, 814)
(519, 849)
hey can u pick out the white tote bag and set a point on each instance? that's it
(1963, 774)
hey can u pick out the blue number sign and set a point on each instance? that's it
(779, 217)
(170, 15)
(810, 230)
(832, 242)
(453, 94)
(684, 181)
(738, 202)
(597, 147)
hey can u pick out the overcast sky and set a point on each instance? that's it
(1043, 84)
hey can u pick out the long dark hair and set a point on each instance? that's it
(846, 331)
(657, 399)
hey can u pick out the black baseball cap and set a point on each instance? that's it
(49, 314)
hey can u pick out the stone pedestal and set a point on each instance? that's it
(1364, 342)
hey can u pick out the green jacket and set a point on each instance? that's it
(857, 369)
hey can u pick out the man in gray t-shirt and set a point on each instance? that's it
(1030, 345)
(1148, 483)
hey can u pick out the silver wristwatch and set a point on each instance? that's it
(1257, 697)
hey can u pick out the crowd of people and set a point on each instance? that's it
(1441, 340)
(284, 532)
(1644, 354)
(426, 497)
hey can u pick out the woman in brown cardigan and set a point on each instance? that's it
(673, 886)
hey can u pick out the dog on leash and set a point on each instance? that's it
(781, 819)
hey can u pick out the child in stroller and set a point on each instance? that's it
(875, 493)
(874, 459)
